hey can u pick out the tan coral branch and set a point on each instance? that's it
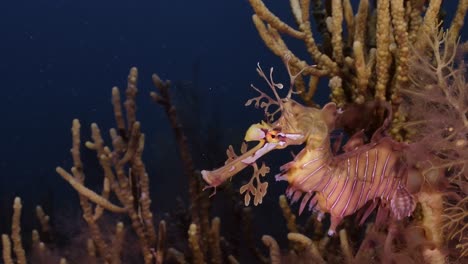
(308, 244)
(275, 252)
(458, 20)
(337, 31)
(6, 249)
(91, 195)
(265, 14)
(383, 58)
(16, 232)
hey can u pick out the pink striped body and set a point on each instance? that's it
(342, 184)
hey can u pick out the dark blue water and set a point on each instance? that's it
(59, 60)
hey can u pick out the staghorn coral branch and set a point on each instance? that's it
(297, 11)
(130, 96)
(89, 194)
(349, 18)
(193, 238)
(160, 252)
(345, 247)
(415, 10)
(118, 114)
(360, 22)
(124, 174)
(301, 12)
(98, 146)
(401, 38)
(430, 21)
(305, 9)
(78, 179)
(98, 210)
(127, 196)
(288, 215)
(6, 252)
(43, 219)
(215, 238)
(309, 245)
(16, 232)
(232, 260)
(176, 255)
(362, 73)
(383, 60)
(265, 14)
(275, 252)
(458, 20)
(337, 30)
(275, 43)
(117, 243)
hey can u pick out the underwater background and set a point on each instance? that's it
(59, 60)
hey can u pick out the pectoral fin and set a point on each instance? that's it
(403, 203)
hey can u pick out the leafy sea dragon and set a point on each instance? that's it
(340, 184)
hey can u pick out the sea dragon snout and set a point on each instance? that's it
(269, 138)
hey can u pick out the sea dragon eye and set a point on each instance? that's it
(272, 137)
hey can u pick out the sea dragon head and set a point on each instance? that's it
(289, 124)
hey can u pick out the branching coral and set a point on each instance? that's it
(125, 176)
(18, 248)
(125, 190)
(371, 62)
(124, 173)
(14, 243)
